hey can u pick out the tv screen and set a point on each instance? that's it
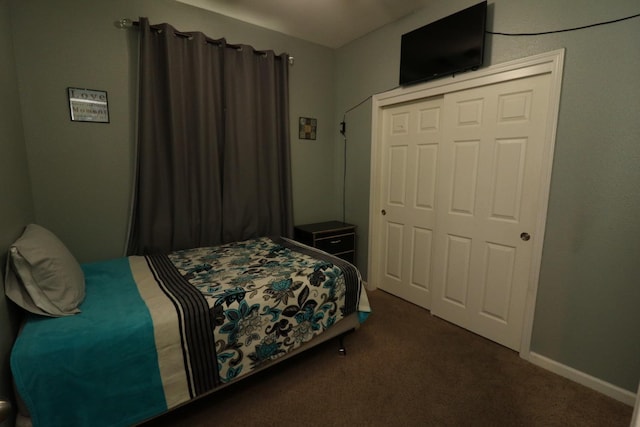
(450, 45)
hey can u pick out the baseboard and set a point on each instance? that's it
(608, 389)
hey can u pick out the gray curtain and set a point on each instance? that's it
(213, 157)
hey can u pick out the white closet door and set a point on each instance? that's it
(488, 181)
(411, 137)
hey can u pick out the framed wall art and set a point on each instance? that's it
(307, 128)
(88, 105)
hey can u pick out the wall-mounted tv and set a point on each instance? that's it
(448, 46)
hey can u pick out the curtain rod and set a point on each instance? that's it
(125, 23)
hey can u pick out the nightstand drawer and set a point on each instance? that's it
(337, 243)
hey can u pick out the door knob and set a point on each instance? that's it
(383, 212)
(525, 236)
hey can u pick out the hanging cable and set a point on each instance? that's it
(343, 131)
(613, 21)
(357, 105)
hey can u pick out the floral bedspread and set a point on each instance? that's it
(267, 297)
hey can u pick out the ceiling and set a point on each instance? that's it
(331, 23)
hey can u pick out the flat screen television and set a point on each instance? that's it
(447, 46)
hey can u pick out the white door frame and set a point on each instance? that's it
(546, 63)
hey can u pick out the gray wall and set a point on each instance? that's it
(82, 172)
(588, 305)
(15, 191)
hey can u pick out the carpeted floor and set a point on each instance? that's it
(404, 367)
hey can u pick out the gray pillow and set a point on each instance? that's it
(42, 276)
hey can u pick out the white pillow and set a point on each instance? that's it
(42, 276)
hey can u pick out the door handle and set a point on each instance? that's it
(525, 236)
(383, 212)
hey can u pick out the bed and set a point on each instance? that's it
(142, 335)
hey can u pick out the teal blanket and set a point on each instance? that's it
(112, 303)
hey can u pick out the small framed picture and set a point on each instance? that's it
(307, 129)
(88, 105)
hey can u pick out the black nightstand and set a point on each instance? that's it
(337, 238)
